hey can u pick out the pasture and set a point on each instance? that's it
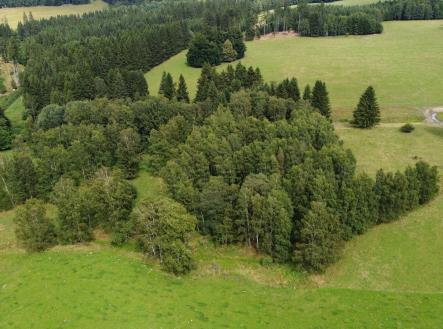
(388, 278)
(403, 64)
(15, 15)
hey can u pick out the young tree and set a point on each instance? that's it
(367, 113)
(34, 230)
(167, 87)
(307, 93)
(320, 99)
(182, 90)
(228, 54)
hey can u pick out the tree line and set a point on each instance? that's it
(31, 3)
(340, 20)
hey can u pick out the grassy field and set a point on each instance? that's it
(15, 15)
(404, 64)
(391, 277)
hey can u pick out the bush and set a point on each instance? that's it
(34, 231)
(407, 128)
(177, 258)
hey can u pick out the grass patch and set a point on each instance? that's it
(15, 113)
(15, 15)
(403, 64)
(439, 116)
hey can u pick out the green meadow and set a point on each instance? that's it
(15, 15)
(403, 64)
(390, 277)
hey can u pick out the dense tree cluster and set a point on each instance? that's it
(104, 201)
(341, 20)
(262, 172)
(31, 3)
(76, 140)
(215, 47)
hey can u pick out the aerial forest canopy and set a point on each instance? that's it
(31, 3)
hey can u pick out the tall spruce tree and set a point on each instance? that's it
(320, 99)
(182, 90)
(167, 88)
(367, 112)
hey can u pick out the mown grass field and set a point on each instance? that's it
(404, 64)
(15, 15)
(391, 277)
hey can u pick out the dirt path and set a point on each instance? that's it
(431, 115)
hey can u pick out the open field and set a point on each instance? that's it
(15, 15)
(404, 64)
(391, 277)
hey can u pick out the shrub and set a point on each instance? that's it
(407, 128)
(34, 231)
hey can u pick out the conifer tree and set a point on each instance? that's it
(206, 76)
(293, 91)
(367, 112)
(307, 93)
(228, 54)
(167, 88)
(182, 90)
(320, 99)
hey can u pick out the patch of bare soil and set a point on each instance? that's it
(431, 115)
(278, 35)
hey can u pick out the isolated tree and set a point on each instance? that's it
(320, 99)
(182, 90)
(228, 53)
(167, 87)
(367, 113)
(34, 230)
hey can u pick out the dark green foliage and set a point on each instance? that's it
(34, 230)
(105, 201)
(428, 181)
(216, 46)
(320, 99)
(307, 93)
(31, 3)
(51, 116)
(5, 132)
(167, 86)
(163, 229)
(202, 51)
(407, 128)
(367, 113)
(319, 240)
(182, 90)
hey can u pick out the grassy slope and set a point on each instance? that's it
(405, 255)
(15, 15)
(390, 277)
(403, 64)
(15, 114)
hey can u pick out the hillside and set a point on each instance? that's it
(348, 65)
(15, 15)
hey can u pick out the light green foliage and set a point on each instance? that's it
(34, 230)
(162, 229)
(347, 65)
